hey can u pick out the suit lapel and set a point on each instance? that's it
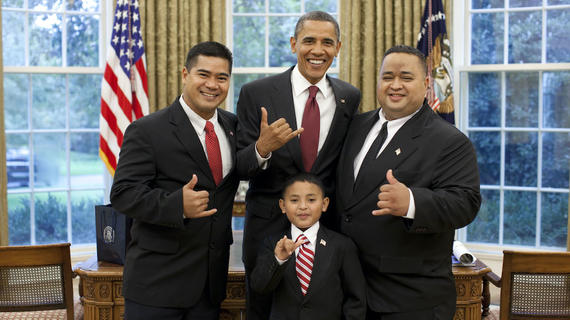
(402, 145)
(321, 263)
(291, 274)
(230, 134)
(188, 137)
(354, 143)
(284, 107)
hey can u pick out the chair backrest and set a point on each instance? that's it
(535, 285)
(36, 278)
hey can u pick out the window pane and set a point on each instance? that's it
(485, 227)
(555, 159)
(323, 5)
(556, 96)
(555, 2)
(558, 39)
(83, 41)
(48, 101)
(485, 4)
(554, 224)
(46, 4)
(520, 218)
(525, 37)
(240, 79)
(49, 160)
(19, 219)
(12, 4)
(86, 167)
(488, 146)
(15, 101)
(522, 99)
(51, 217)
(83, 215)
(84, 100)
(524, 3)
(250, 6)
(487, 38)
(484, 99)
(13, 24)
(281, 29)
(17, 160)
(45, 39)
(284, 6)
(249, 41)
(83, 5)
(521, 159)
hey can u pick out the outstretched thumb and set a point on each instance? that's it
(264, 117)
(192, 182)
(390, 177)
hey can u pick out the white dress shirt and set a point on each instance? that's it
(392, 128)
(199, 125)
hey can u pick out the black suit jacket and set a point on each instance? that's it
(406, 262)
(337, 287)
(170, 260)
(263, 216)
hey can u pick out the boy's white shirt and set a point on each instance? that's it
(310, 233)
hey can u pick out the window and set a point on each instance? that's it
(513, 68)
(258, 35)
(53, 62)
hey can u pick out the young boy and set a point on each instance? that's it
(323, 279)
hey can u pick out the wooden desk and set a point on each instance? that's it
(101, 292)
(101, 284)
(469, 287)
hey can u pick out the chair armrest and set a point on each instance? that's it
(493, 278)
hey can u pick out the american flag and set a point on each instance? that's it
(435, 45)
(124, 92)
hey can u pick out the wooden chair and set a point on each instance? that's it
(36, 278)
(534, 285)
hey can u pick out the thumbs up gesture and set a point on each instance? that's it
(275, 135)
(394, 197)
(195, 202)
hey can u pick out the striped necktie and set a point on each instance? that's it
(304, 264)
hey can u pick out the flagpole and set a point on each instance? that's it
(430, 54)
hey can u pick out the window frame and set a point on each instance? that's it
(462, 66)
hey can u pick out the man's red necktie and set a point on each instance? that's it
(214, 154)
(312, 125)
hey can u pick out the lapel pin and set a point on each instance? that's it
(323, 242)
(342, 101)
(231, 133)
(398, 151)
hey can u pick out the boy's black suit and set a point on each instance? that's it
(170, 260)
(336, 289)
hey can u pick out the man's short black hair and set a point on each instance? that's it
(303, 177)
(410, 50)
(208, 49)
(317, 16)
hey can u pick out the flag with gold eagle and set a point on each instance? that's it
(433, 41)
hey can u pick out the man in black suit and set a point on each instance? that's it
(179, 188)
(272, 112)
(403, 191)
